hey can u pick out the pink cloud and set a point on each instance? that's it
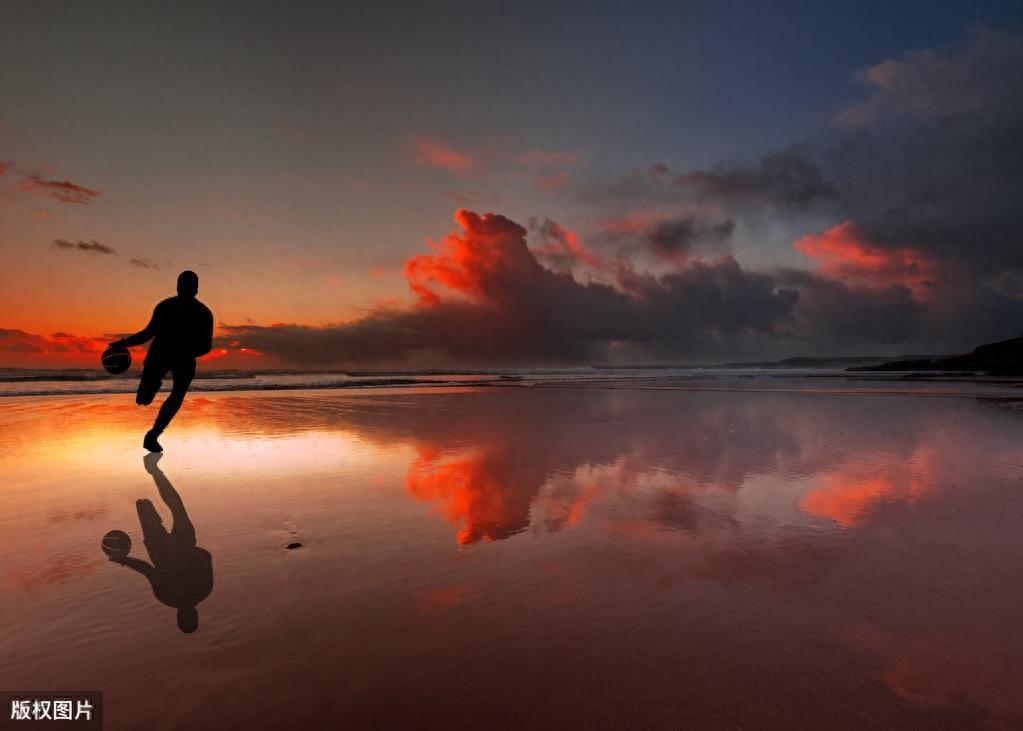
(845, 251)
(552, 182)
(547, 167)
(60, 190)
(632, 223)
(562, 246)
(433, 153)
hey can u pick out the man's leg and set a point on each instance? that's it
(183, 375)
(183, 531)
(149, 383)
(154, 535)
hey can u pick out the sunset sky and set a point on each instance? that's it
(434, 184)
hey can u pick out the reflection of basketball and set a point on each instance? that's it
(116, 543)
(116, 360)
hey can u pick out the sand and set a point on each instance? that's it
(522, 558)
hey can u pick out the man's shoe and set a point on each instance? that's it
(150, 442)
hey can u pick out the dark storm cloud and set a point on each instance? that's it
(950, 187)
(785, 178)
(932, 161)
(933, 153)
(90, 247)
(978, 78)
(559, 247)
(837, 316)
(707, 300)
(486, 299)
(833, 312)
(672, 238)
(676, 239)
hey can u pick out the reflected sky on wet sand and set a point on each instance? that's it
(524, 558)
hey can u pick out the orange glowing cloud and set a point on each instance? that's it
(234, 348)
(435, 154)
(60, 347)
(845, 252)
(470, 264)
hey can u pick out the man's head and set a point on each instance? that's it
(188, 619)
(188, 284)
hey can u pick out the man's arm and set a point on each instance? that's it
(136, 564)
(140, 337)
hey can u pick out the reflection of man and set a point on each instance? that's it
(181, 573)
(182, 330)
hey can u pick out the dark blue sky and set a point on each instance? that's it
(689, 83)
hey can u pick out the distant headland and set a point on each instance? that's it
(1004, 358)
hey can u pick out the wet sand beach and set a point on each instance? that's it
(523, 558)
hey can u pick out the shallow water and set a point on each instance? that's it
(527, 557)
(22, 382)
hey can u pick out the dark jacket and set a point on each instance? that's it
(181, 329)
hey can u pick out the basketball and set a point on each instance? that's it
(116, 360)
(116, 543)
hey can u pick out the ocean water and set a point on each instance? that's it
(38, 382)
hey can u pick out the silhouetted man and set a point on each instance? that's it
(181, 573)
(182, 330)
